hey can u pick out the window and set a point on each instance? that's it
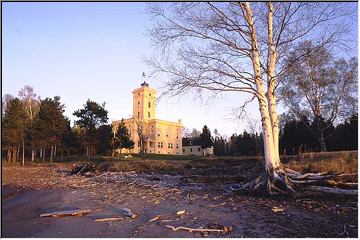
(158, 144)
(138, 114)
(138, 94)
(148, 114)
(198, 149)
(161, 144)
(183, 149)
(169, 145)
(138, 104)
(149, 105)
(138, 143)
(158, 133)
(190, 149)
(150, 94)
(177, 145)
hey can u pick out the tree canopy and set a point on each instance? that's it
(122, 137)
(205, 138)
(320, 87)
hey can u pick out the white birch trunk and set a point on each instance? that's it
(43, 154)
(33, 155)
(23, 150)
(274, 118)
(51, 153)
(18, 152)
(272, 160)
(9, 155)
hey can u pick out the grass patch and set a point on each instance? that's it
(339, 162)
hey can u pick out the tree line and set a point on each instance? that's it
(296, 136)
(38, 129)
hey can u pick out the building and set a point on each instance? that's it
(192, 146)
(162, 137)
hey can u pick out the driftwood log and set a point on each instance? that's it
(57, 214)
(108, 219)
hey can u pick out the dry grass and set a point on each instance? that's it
(148, 166)
(338, 162)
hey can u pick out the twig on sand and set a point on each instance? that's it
(195, 229)
(155, 218)
(66, 213)
(108, 219)
(345, 231)
(217, 205)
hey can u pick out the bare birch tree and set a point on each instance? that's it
(32, 106)
(238, 47)
(143, 135)
(320, 87)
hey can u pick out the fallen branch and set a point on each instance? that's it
(155, 218)
(217, 205)
(66, 213)
(195, 229)
(347, 174)
(108, 219)
(333, 190)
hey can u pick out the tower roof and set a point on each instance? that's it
(144, 84)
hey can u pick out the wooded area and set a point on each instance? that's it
(38, 129)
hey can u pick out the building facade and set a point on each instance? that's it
(161, 137)
(192, 146)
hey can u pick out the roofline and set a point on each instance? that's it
(142, 89)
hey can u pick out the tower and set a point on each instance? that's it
(144, 102)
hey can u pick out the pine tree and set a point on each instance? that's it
(122, 137)
(205, 138)
(13, 128)
(50, 125)
(91, 117)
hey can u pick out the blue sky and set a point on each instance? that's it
(96, 50)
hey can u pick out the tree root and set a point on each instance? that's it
(285, 181)
(332, 190)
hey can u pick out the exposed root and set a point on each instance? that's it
(270, 183)
(285, 181)
(332, 190)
